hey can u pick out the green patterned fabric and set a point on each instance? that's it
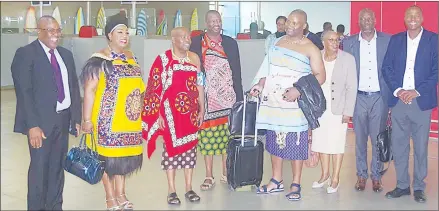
(213, 140)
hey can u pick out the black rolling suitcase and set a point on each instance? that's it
(245, 154)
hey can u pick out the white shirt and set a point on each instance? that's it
(409, 74)
(65, 104)
(369, 81)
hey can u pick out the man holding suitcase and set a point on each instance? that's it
(292, 57)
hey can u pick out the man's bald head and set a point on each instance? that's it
(414, 7)
(296, 23)
(177, 32)
(44, 20)
(366, 11)
(300, 13)
(181, 39)
(211, 12)
(49, 31)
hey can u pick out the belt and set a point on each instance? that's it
(367, 93)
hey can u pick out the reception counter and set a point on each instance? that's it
(251, 54)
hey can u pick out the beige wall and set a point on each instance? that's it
(68, 11)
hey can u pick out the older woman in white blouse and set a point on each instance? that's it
(340, 91)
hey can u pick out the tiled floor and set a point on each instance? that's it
(148, 189)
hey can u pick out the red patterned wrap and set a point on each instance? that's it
(171, 92)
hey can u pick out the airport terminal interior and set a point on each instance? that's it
(147, 189)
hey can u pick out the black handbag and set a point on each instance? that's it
(384, 145)
(236, 117)
(84, 162)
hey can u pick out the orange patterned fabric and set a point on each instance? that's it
(220, 95)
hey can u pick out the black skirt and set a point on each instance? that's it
(124, 166)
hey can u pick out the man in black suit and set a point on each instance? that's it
(48, 106)
(327, 26)
(313, 37)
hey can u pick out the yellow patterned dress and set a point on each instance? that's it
(116, 113)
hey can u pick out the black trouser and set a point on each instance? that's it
(46, 170)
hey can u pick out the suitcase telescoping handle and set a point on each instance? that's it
(243, 119)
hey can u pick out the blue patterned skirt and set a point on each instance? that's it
(287, 146)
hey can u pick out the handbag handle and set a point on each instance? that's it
(389, 120)
(82, 142)
(246, 94)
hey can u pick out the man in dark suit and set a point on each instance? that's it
(313, 37)
(371, 110)
(327, 26)
(48, 106)
(410, 69)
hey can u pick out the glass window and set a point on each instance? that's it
(37, 3)
(212, 5)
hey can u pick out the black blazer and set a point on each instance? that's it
(312, 101)
(36, 91)
(232, 51)
(316, 40)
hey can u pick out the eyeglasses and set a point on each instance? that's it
(53, 31)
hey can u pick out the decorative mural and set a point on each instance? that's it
(142, 23)
(31, 20)
(194, 20)
(79, 21)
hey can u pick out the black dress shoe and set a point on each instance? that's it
(420, 196)
(397, 192)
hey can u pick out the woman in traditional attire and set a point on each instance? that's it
(291, 57)
(174, 109)
(220, 62)
(113, 98)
